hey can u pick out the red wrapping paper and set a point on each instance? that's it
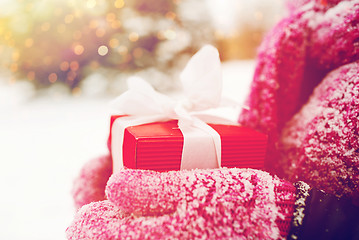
(158, 146)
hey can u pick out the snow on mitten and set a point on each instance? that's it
(275, 92)
(320, 144)
(294, 5)
(314, 39)
(334, 38)
(197, 204)
(90, 185)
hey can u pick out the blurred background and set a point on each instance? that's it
(89, 46)
(61, 61)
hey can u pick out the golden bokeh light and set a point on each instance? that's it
(100, 32)
(65, 41)
(52, 77)
(133, 37)
(78, 13)
(119, 3)
(91, 3)
(29, 42)
(114, 42)
(102, 50)
(122, 50)
(93, 24)
(45, 26)
(74, 65)
(116, 24)
(69, 18)
(71, 76)
(15, 55)
(64, 66)
(78, 49)
(110, 17)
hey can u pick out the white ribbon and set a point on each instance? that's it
(202, 85)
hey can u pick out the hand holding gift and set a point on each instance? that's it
(306, 138)
(212, 204)
(161, 134)
(149, 138)
(196, 204)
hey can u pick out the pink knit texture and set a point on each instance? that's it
(197, 204)
(320, 144)
(294, 5)
(275, 93)
(315, 39)
(89, 186)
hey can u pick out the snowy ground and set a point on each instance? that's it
(44, 141)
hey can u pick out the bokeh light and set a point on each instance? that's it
(119, 3)
(102, 50)
(52, 77)
(133, 36)
(64, 66)
(58, 41)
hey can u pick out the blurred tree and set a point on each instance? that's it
(65, 41)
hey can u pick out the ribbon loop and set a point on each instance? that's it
(202, 79)
(141, 99)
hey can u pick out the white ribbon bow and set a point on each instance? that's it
(202, 85)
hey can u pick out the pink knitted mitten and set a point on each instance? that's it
(90, 185)
(315, 47)
(320, 144)
(317, 37)
(197, 204)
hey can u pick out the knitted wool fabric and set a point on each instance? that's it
(320, 144)
(316, 38)
(197, 204)
(275, 92)
(90, 185)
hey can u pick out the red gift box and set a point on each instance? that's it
(158, 146)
